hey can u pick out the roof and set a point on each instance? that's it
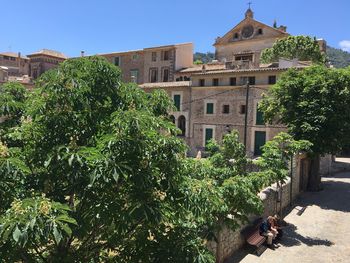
(208, 67)
(169, 46)
(174, 84)
(144, 49)
(247, 70)
(49, 52)
(249, 19)
(12, 54)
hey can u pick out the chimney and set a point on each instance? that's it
(282, 28)
(82, 53)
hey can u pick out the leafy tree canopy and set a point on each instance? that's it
(314, 104)
(303, 48)
(97, 174)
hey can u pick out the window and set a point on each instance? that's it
(251, 80)
(182, 125)
(235, 36)
(260, 31)
(154, 56)
(226, 109)
(177, 101)
(210, 108)
(202, 82)
(215, 82)
(134, 74)
(135, 57)
(165, 75)
(165, 55)
(272, 79)
(117, 61)
(209, 132)
(153, 75)
(244, 58)
(259, 141)
(233, 81)
(242, 109)
(259, 116)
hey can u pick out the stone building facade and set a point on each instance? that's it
(43, 61)
(14, 63)
(211, 99)
(26, 68)
(152, 65)
(213, 102)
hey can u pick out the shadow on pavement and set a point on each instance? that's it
(334, 196)
(292, 238)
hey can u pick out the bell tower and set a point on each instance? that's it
(249, 13)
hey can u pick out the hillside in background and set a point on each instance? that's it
(204, 57)
(337, 57)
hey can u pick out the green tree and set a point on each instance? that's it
(276, 154)
(198, 62)
(12, 106)
(100, 176)
(109, 164)
(303, 48)
(313, 103)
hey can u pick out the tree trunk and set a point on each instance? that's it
(218, 247)
(314, 183)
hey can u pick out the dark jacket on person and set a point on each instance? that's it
(264, 227)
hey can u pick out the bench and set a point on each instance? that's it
(254, 238)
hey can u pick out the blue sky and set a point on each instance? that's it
(104, 26)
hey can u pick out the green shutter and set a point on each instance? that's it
(210, 108)
(260, 140)
(177, 100)
(259, 116)
(208, 135)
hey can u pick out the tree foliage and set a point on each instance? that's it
(97, 174)
(313, 103)
(303, 48)
(204, 57)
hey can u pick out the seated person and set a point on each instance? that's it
(276, 225)
(268, 229)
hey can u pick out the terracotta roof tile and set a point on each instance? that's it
(49, 52)
(166, 84)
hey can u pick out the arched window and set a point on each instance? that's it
(172, 118)
(182, 125)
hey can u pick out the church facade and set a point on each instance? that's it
(214, 101)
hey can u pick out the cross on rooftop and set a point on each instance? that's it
(249, 4)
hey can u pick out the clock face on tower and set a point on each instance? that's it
(247, 31)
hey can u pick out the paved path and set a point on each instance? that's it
(319, 234)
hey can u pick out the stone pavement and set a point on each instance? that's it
(320, 233)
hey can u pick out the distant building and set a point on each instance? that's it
(15, 63)
(213, 102)
(210, 99)
(43, 61)
(152, 65)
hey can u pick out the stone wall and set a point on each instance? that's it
(231, 241)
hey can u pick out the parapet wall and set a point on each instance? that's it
(231, 241)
